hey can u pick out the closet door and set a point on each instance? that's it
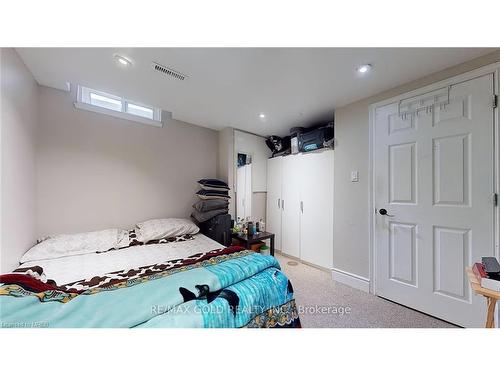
(316, 208)
(240, 192)
(273, 207)
(244, 191)
(290, 206)
(248, 191)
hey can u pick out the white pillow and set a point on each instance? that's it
(163, 228)
(62, 245)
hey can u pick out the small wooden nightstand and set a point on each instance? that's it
(248, 240)
(492, 297)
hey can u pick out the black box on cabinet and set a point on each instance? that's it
(315, 139)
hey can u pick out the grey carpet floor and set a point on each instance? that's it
(324, 303)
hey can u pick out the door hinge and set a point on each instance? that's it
(495, 101)
(495, 199)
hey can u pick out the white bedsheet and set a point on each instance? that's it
(78, 267)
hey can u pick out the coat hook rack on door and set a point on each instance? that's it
(423, 104)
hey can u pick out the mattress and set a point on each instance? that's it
(72, 268)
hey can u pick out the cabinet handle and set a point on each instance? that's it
(279, 203)
(302, 206)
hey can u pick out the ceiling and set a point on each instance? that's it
(232, 86)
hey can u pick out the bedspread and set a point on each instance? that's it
(227, 288)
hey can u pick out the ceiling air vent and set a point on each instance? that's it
(168, 72)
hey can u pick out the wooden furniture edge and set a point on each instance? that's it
(478, 289)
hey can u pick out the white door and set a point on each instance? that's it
(240, 192)
(434, 175)
(248, 191)
(316, 220)
(244, 191)
(273, 207)
(290, 206)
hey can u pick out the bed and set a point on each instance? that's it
(192, 283)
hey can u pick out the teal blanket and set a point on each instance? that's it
(245, 288)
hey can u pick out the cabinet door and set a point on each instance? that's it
(248, 191)
(316, 217)
(244, 193)
(273, 206)
(290, 206)
(240, 192)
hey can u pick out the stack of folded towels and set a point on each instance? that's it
(214, 199)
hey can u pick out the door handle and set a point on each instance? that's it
(383, 212)
(302, 206)
(279, 203)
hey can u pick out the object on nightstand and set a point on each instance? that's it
(484, 278)
(478, 270)
(264, 250)
(250, 228)
(262, 225)
(491, 267)
(490, 284)
(257, 246)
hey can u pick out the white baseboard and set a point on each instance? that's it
(355, 281)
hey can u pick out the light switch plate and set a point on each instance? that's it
(354, 176)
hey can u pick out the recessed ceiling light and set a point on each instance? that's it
(122, 60)
(364, 68)
(262, 116)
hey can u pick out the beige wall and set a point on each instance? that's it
(19, 113)
(95, 171)
(351, 214)
(259, 203)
